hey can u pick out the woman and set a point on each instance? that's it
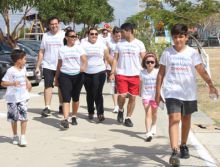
(71, 63)
(95, 75)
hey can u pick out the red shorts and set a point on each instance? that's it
(127, 84)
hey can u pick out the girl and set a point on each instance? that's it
(148, 86)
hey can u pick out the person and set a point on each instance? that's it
(148, 89)
(17, 95)
(69, 75)
(127, 66)
(177, 73)
(48, 55)
(105, 36)
(116, 37)
(95, 75)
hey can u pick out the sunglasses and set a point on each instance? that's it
(96, 34)
(72, 36)
(149, 62)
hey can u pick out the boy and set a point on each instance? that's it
(17, 94)
(178, 64)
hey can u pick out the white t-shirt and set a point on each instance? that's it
(105, 40)
(112, 45)
(70, 57)
(16, 94)
(95, 56)
(129, 62)
(180, 77)
(148, 84)
(51, 44)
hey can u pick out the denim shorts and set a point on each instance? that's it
(176, 106)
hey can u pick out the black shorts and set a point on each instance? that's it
(70, 86)
(48, 77)
(176, 106)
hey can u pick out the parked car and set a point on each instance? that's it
(6, 62)
(32, 44)
(28, 50)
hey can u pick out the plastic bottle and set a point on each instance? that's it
(213, 96)
(112, 85)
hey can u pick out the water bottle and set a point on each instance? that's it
(112, 87)
(161, 105)
(213, 96)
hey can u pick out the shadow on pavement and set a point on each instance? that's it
(122, 155)
(5, 139)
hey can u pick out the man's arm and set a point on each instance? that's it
(39, 60)
(113, 66)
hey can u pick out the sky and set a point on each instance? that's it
(122, 10)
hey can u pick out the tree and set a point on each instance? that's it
(13, 6)
(87, 12)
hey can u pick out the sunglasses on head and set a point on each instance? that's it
(96, 34)
(149, 62)
(72, 36)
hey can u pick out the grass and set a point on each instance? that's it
(205, 104)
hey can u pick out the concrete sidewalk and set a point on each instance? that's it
(94, 144)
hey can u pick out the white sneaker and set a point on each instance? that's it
(153, 129)
(15, 140)
(149, 137)
(23, 141)
(115, 109)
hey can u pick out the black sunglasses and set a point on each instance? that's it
(72, 36)
(96, 34)
(149, 62)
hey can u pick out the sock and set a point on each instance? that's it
(47, 106)
(121, 110)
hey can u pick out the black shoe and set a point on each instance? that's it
(184, 151)
(148, 139)
(64, 123)
(61, 109)
(101, 117)
(46, 112)
(74, 122)
(128, 122)
(120, 116)
(174, 159)
(91, 116)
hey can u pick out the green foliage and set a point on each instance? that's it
(182, 11)
(89, 12)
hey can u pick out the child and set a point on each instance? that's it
(178, 66)
(148, 87)
(17, 94)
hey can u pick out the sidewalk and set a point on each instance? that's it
(93, 144)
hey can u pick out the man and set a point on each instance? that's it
(126, 65)
(48, 55)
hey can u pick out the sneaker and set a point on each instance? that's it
(64, 123)
(101, 118)
(184, 151)
(174, 159)
(153, 129)
(120, 116)
(15, 140)
(91, 116)
(61, 109)
(74, 122)
(46, 112)
(149, 137)
(115, 109)
(128, 122)
(23, 141)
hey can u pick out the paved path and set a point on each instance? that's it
(93, 144)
